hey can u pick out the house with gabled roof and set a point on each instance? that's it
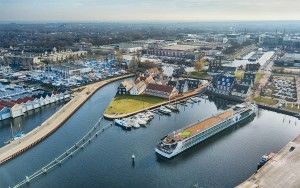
(162, 91)
(4, 112)
(125, 87)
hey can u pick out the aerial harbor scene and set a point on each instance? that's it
(149, 93)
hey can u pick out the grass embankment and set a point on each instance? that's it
(258, 76)
(265, 100)
(199, 74)
(291, 107)
(124, 104)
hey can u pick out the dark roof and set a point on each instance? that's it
(181, 82)
(172, 83)
(252, 66)
(159, 87)
(241, 88)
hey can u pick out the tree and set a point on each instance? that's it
(199, 65)
(119, 57)
(133, 64)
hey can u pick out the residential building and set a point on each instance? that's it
(162, 91)
(240, 90)
(4, 112)
(252, 67)
(222, 84)
(125, 87)
(182, 86)
(248, 79)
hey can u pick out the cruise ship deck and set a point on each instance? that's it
(194, 129)
(209, 122)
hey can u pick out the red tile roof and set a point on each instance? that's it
(7, 103)
(159, 87)
(23, 100)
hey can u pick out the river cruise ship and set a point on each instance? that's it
(182, 139)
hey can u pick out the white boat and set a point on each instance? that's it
(149, 114)
(164, 110)
(171, 107)
(133, 123)
(196, 99)
(17, 136)
(122, 123)
(190, 101)
(141, 121)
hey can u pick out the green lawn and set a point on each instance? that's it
(123, 104)
(239, 74)
(199, 74)
(266, 100)
(185, 134)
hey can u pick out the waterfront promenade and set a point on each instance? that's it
(35, 136)
(182, 97)
(281, 171)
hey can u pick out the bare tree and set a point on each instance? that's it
(199, 65)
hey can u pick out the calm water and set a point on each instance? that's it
(222, 161)
(26, 123)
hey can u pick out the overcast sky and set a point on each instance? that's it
(131, 10)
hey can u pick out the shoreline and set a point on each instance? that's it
(187, 95)
(281, 171)
(54, 122)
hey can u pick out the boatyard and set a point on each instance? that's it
(53, 123)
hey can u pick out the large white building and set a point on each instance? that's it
(55, 57)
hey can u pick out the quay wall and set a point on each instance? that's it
(48, 127)
(187, 95)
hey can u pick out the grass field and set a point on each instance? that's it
(258, 76)
(266, 100)
(123, 104)
(199, 74)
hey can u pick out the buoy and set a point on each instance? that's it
(133, 159)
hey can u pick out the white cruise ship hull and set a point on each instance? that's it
(192, 141)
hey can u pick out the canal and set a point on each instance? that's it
(26, 123)
(225, 160)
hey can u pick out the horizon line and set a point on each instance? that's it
(144, 21)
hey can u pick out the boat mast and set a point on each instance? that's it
(12, 131)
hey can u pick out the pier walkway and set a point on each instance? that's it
(281, 171)
(68, 154)
(38, 134)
